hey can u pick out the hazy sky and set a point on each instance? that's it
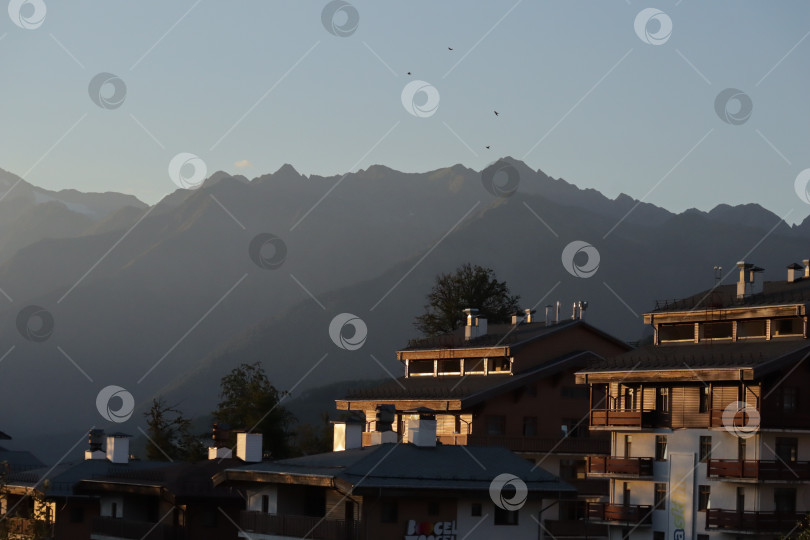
(581, 94)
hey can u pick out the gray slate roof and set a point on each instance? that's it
(406, 466)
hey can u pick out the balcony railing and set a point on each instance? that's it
(135, 530)
(617, 513)
(576, 528)
(629, 418)
(759, 470)
(299, 526)
(631, 466)
(752, 521)
(769, 419)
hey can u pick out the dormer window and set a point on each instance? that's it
(787, 327)
(420, 367)
(499, 365)
(670, 333)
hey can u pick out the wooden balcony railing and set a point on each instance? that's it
(617, 513)
(759, 470)
(632, 466)
(629, 418)
(135, 530)
(299, 526)
(576, 528)
(752, 521)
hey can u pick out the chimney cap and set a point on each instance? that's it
(471, 311)
(795, 266)
(743, 264)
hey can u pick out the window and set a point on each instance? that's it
(705, 448)
(420, 367)
(573, 428)
(717, 330)
(457, 424)
(662, 400)
(433, 508)
(676, 332)
(788, 400)
(741, 449)
(751, 329)
(76, 514)
(496, 424)
(476, 510)
(784, 499)
(628, 445)
(114, 510)
(389, 513)
(505, 517)
(450, 367)
(499, 365)
(703, 404)
(572, 469)
(660, 500)
(529, 426)
(787, 448)
(265, 504)
(474, 365)
(703, 497)
(787, 327)
(660, 447)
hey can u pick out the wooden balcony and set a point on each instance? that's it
(619, 514)
(299, 526)
(773, 522)
(128, 529)
(573, 528)
(617, 466)
(734, 469)
(629, 418)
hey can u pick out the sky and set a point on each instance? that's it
(622, 96)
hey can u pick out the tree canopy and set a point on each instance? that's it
(170, 435)
(248, 401)
(470, 286)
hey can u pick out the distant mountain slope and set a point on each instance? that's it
(167, 299)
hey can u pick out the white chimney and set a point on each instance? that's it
(249, 447)
(748, 284)
(118, 447)
(476, 326)
(347, 435)
(557, 319)
(94, 439)
(422, 430)
(529, 313)
(217, 452)
(794, 272)
(548, 314)
(517, 318)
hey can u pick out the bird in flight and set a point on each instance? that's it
(487, 147)
(449, 48)
(409, 73)
(496, 113)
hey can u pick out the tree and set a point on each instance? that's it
(468, 287)
(248, 401)
(314, 439)
(170, 435)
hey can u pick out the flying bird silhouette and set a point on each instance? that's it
(409, 73)
(496, 113)
(487, 147)
(449, 48)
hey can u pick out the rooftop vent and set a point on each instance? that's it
(794, 272)
(476, 326)
(386, 414)
(118, 447)
(748, 284)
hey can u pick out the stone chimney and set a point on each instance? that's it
(95, 438)
(422, 429)
(249, 447)
(794, 272)
(221, 435)
(476, 326)
(748, 284)
(346, 435)
(384, 433)
(118, 447)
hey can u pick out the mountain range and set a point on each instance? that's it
(166, 299)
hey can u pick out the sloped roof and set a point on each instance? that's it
(470, 389)
(404, 466)
(20, 460)
(510, 335)
(760, 356)
(723, 296)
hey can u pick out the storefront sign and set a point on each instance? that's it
(428, 530)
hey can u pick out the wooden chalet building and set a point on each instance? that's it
(709, 425)
(507, 385)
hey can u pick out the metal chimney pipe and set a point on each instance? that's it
(557, 319)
